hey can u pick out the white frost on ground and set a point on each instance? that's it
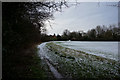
(68, 58)
(103, 49)
(43, 55)
(54, 71)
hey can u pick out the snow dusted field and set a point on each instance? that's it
(75, 59)
(103, 49)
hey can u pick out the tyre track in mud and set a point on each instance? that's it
(43, 55)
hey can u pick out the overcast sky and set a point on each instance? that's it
(83, 16)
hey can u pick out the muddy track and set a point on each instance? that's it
(53, 70)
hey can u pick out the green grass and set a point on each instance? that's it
(78, 64)
(25, 63)
(59, 42)
(36, 68)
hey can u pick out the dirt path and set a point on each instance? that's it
(43, 55)
(54, 71)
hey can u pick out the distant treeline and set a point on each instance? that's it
(100, 33)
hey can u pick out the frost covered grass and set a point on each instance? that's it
(103, 49)
(78, 64)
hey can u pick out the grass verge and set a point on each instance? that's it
(24, 63)
(78, 64)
